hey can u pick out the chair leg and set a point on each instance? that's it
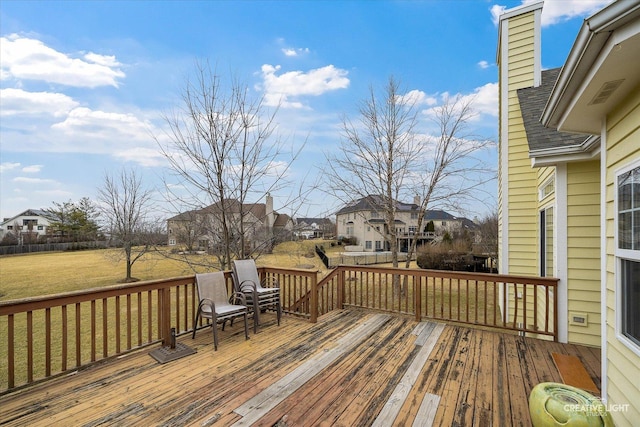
(279, 311)
(195, 324)
(246, 326)
(256, 319)
(214, 325)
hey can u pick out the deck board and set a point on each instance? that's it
(469, 376)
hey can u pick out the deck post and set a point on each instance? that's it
(313, 309)
(555, 311)
(340, 288)
(165, 311)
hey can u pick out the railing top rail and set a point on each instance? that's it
(295, 271)
(55, 300)
(47, 301)
(453, 274)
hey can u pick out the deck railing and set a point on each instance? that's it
(51, 335)
(527, 305)
(46, 336)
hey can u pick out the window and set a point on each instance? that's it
(549, 187)
(628, 254)
(378, 244)
(375, 215)
(414, 215)
(9, 227)
(40, 227)
(630, 278)
(629, 210)
(367, 244)
(412, 229)
(546, 242)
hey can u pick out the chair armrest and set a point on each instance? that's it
(248, 286)
(207, 301)
(238, 297)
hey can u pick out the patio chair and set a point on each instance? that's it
(216, 305)
(260, 296)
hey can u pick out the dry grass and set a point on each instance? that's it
(49, 273)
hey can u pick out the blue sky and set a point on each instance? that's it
(84, 85)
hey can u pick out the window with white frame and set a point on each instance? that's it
(628, 253)
(367, 244)
(548, 188)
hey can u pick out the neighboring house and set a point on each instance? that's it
(444, 222)
(312, 228)
(27, 226)
(364, 220)
(203, 229)
(569, 183)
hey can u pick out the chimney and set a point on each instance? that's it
(416, 200)
(270, 216)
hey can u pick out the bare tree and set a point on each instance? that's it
(384, 155)
(226, 157)
(125, 205)
(448, 172)
(377, 153)
(488, 234)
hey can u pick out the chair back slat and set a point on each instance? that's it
(245, 269)
(212, 286)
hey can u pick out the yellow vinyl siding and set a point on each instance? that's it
(517, 71)
(623, 367)
(583, 250)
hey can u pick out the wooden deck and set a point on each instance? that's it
(352, 368)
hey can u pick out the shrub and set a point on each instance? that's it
(445, 256)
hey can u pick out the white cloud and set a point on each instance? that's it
(142, 156)
(484, 101)
(32, 169)
(483, 64)
(31, 59)
(291, 51)
(33, 181)
(7, 166)
(104, 60)
(103, 125)
(20, 102)
(279, 89)
(555, 11)
(496, 11)
(417, 97)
